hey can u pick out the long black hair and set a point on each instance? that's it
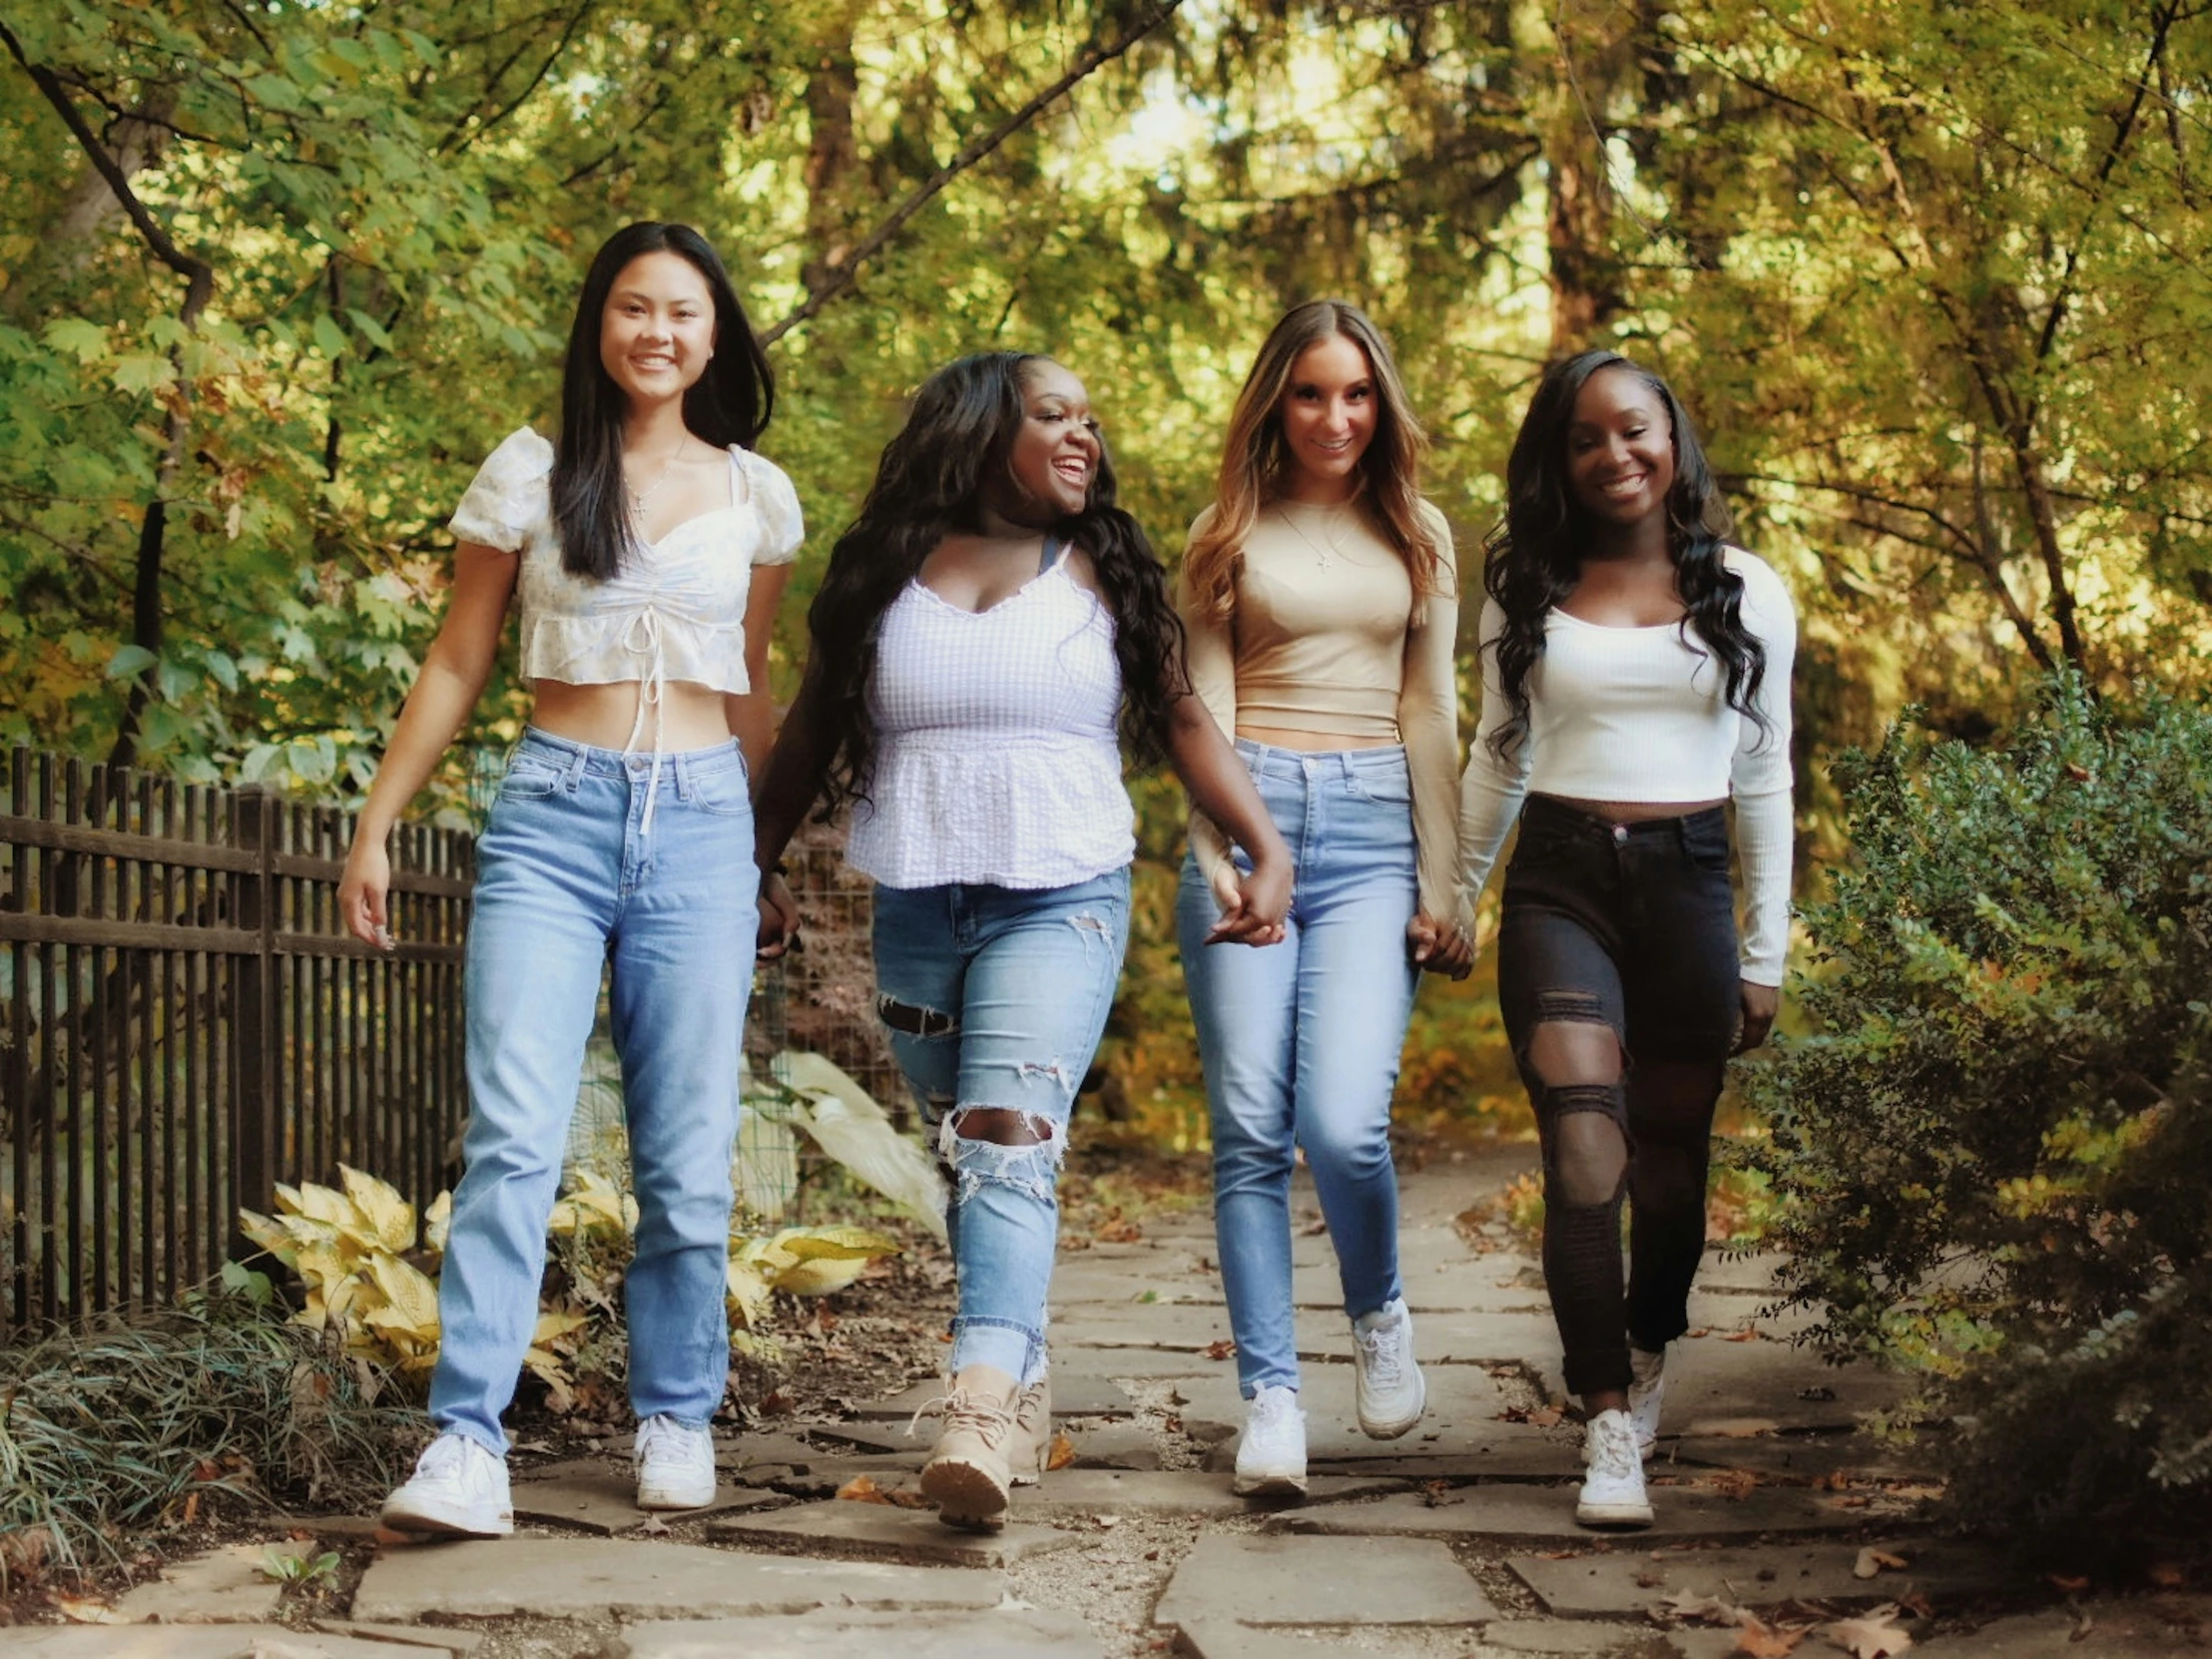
(1536, 552)
(729, 403)
(930, 484)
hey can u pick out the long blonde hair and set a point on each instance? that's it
(1256, 461)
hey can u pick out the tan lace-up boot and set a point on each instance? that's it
(968, 1476)
(1029, 1448)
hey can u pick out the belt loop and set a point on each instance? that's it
(578, 757)
(680, 765)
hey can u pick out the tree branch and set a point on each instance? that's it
(842, 275)
(198, 275)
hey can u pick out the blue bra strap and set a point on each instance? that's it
(1053, 548)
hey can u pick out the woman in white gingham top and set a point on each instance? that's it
(997, 757)
(983, 629)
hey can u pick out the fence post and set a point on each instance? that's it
(254, 1024)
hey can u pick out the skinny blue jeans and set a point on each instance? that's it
(995, 998)
(1300, 1041)
(570, 882)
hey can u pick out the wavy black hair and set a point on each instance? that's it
(1535, 551)
(730, 403)
(930, 484)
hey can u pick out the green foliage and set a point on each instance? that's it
(1992, 1156)
(117, 1428)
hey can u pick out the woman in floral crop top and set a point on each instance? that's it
(646, 552)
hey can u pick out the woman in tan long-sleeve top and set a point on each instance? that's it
(1321, 604)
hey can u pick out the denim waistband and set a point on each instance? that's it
(582, 759)
(1558, 818)
(1345, 765)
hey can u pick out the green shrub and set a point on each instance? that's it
(117, 1429)
(1993, 1157)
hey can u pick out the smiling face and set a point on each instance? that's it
(657, 330)
(1620, 449)
(1054, 458)
(1329, 414)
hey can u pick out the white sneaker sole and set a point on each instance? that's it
(1613, 1515)
(675, 1498)
(1396, 1427)
(1276, 1483)
(446, 1524)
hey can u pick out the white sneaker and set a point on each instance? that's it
(676, 1465)
(458, 1488)
(1390, 1390)
(1271, 1459)
(1647, 1386)
(1613, 1475)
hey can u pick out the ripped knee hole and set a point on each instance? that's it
(916, 1020)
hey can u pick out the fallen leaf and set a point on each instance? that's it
(862, 1489)
(87, 1610)
(1061, 1454)
(1749, 1334)
(1702, 1609)
(1437, 1495)
(1733, 1484)
(1870, 1635)
(1221, 1350)
(1762, 1641)
(1536, 1417)
(1872, 1559)
(2167, 1576)
(2072, 1586)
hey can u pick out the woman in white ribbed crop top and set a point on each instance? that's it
(1635, 682)
(989, 632)
(646, 553)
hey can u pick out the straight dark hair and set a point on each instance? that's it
(1536, 552)
(729, 403)
(930, 484)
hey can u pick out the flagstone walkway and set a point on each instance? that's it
(1455, 1542)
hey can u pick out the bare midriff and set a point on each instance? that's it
(1312, 743)
(691, 716)
(1634, 811)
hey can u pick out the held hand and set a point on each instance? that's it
(1438, 947)
(363, 891)
(778, 930)
(1760, 1003)
(1262, 900)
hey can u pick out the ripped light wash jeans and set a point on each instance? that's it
(570, 885)
(996, 997)
(1300, 1041)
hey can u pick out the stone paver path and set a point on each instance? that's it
(1455, 1542)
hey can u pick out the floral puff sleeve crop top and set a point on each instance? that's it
(675, 611)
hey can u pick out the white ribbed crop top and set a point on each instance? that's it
(996, 754)
(1642, 715)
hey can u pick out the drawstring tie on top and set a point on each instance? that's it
(650, 686)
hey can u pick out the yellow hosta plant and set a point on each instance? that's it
(349, 1245)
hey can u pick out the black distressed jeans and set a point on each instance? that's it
(1617, 972)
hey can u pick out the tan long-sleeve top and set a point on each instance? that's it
(1324, 638)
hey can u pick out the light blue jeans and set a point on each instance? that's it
(996, 997)
(1300, 1041)
(569, 884)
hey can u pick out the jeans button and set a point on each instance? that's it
(1620, 834)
